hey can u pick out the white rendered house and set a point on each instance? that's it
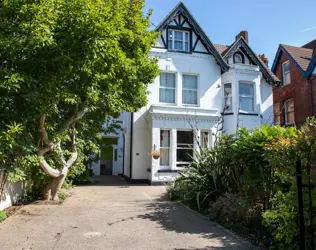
(198, 79)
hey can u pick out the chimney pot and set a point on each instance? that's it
(264, 58)
(244, 34)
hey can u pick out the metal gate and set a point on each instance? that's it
(306, 214)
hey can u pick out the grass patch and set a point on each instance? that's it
(62, 196)
(3, 215)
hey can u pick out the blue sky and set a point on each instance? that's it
(269, 22)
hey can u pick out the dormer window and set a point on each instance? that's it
(178, 40)
(238, 58)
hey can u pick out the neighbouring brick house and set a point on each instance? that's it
(295, 99)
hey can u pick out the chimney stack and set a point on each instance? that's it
(244, 34)
(264, 58)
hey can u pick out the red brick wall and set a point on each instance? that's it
(298, 89)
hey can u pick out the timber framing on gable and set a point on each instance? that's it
(175, 16)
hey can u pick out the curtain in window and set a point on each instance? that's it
(246, 94)
(289, 106)
(164, 147)
(178, 40)
(167, 88)
(276, 111)
(189, 89)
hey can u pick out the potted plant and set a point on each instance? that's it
(155, 153)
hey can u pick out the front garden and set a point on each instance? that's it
(247, 183)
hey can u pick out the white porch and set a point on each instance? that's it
(176, 132)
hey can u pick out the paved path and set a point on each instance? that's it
(114, 216)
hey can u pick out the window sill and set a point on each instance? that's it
(227, 113)
(290, 124)
(248, 113)
(168, 171)
(167, 104)
(179, 51)
(190, 105)
(287, 84)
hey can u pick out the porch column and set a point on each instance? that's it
(155, 144)
(173, 149)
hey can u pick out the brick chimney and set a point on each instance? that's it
(244, 34)
(264, 58)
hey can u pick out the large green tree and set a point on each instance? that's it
(67, 65)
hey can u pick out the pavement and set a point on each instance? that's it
(114, 214)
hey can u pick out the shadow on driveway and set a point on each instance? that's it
(173, 216)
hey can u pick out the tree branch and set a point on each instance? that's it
(44, 136)
(74, 153)
(75, 117)
(43, 163)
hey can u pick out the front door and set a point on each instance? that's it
(106, 162)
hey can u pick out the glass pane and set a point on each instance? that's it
(189, 82)
(246, 104)
(246, 89)
(290, 117)
(164, 157)
(164, 138)
(185, 137)
(186, 36)
(189, 97)
(178, 35)
(168, 80)
(186, 46)
(287, 78)
(170, 39)
(167, 95)
(238, 58)
(286, 67)
(178, 45)
(185, 155)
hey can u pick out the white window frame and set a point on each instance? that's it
(183, 40)
(285, 112)
(286, 73)
(253, 98)
(197, 90)
(161, 147)
(163, 87)
(177, 147)
(231, 97)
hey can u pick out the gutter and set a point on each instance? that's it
(131, 148)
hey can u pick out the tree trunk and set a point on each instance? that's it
(52, 189)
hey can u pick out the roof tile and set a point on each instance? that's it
(302, 56)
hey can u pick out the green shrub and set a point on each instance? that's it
(230, 209)
(62, 196)
(281, 220)
(3, 215)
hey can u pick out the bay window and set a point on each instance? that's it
(164, 147)
(185, 145)
(190, 89)
(178, 40)
(167, 89)
(246, 97)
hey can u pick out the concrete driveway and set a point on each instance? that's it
(114, 215)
